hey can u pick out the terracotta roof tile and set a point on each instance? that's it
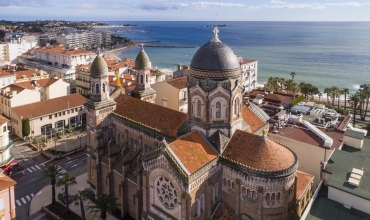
(8, 90)
(179, 83)
(193, 151)
(164, 119)
(252, 119)
(3, 120)
(245, 61)
(64, 51)
(303, 180)
(253, 151)
(49, 106)
(6, 182)
(41, 82)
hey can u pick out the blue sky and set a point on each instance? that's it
(186, 10)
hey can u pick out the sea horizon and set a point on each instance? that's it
(324, 53)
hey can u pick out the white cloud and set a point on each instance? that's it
(7, 3)
(252, 8)
(283, 4)
(165, 5)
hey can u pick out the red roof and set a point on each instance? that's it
(161, 118)
(6, 182)
(3, 120)
(252, 119)
(304, 135)
(179, 83)
(193, 151)
(64, 51)
(50, 106)
(303, 179)
(254, 151)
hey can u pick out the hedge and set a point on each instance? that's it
(296, 101)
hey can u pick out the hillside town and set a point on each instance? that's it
(124, 139)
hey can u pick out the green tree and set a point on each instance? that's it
(66, 181)
(104, 203)
(333, 94)
(355, 99)
(338, 93)
(327, 91)
(51, 171)
(26, 129)
(320, 95)
(345, 92)
(293, 74)
(78, 199)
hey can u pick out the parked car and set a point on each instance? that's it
(62, 197)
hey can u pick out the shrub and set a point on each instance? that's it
(296, 101)
(26, 127)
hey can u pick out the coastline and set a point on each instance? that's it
(112, 54)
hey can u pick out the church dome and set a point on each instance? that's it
(215, 59)
(142, 60)
(259, 153)
(99, 67)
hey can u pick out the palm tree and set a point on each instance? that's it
(78, 199)
(293, 74)
(327, 91)
(282, 83)
(320, 95)
(104, 203)
(334, 91)
(51, 171)
(66, 181)
(345, 91)
(338, 93)
(355, 99)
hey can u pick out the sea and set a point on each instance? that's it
(324, 54)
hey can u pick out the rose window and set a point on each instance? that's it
(166, 193)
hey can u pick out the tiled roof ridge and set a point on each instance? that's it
(139, 123)
(168, 148)
(268, 172)
(311, 179)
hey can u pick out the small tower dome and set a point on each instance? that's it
(142, 60)
(99, 67)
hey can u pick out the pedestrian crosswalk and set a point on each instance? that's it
(33, 168)
(24, 200)
(62, 171)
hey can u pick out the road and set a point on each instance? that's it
(30, 184)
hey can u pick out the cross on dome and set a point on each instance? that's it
(215, 35)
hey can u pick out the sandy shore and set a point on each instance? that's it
(112, 54)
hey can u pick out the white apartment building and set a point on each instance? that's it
(10, 51)
(58, 61)
(28, 92)
(249, 72)
(85, 39)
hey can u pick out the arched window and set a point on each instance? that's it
(92, 87)
(97, 88)
(199, 108)
(141, 79)
(268, 197)
(218, 110)
(103, 87)
(146, 78)
(248, 192)
(278, 196)
(273, 197)
(236, 106)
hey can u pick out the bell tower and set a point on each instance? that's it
(143, 90)
(98, 126)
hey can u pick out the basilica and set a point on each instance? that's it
(213, 162)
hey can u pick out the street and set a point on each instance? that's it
(28, 178)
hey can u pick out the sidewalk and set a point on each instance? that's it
(43, 198)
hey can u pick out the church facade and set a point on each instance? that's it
(215, 162)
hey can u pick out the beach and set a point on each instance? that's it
(112, 54)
